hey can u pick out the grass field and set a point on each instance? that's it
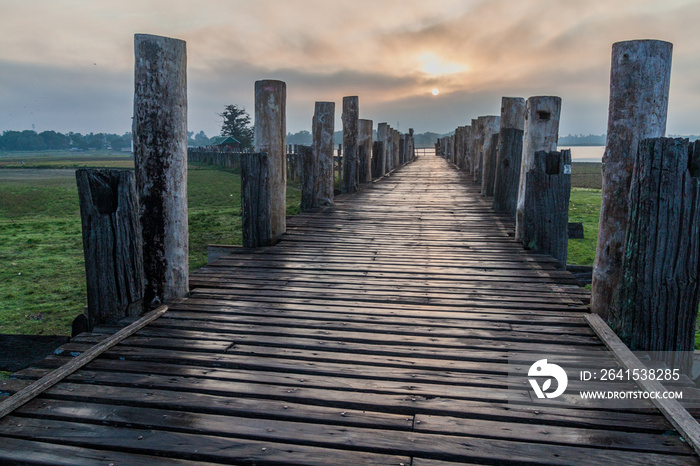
(42, 279)
(66, 159)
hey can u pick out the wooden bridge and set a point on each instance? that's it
(377, 332)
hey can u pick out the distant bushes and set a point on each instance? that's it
(51, 140)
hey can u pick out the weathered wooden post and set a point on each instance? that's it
(656, 304)
(111, 245)
(323, 126)
(455, 146)
(351, 174)
(389, 148)
(489, 150)
(402, 149)
(397, 146)
(478, 147)
(411, 145)
(340, 166)
(461, 145)
(640, 77)
(377, 151)
(256, 204)
(270, 136)
(160, 155)
(309, 172)
(471, 146)
(510, 152)
(395, 143)
(364, 144)
(382, 136)
(541, 132)
(546, 215)
(465, 156)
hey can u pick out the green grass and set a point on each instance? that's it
(66, 159)
(584, 207)
(42, 278)
(586, 175)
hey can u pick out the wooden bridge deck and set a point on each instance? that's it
(376, 332)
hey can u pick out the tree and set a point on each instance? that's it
(201, 139)
(237, 124)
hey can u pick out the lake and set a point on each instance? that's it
(585, 153)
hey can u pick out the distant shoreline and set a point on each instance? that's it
(583, 145)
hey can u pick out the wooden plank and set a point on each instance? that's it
(355, 438)
(595, 438)
(672, 409)
(18, 451)
(26, 394)
(280, 402)
(197, 447)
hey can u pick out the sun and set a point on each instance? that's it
(435, 91)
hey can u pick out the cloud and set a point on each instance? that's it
(390, 53)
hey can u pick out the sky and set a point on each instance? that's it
(67, 65)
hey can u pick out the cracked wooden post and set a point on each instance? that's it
(411, 145)
(256, 204)
(459, 146)
(397, 144)
(465, 156)
(309, 173)
(402, 149)
(541, 132)
(471, 146)
(640, 76)
(478, 146)
(389, 148)
(160, 156)
(656, 304)
(351, 174)
(510, 152)
(270, 136)
(340, 166)
(364, 144)
(377, 151)
(489, 150)
(111, 245)
(547, 192)
(322, 128)
(382, 136)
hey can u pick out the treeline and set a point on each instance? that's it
(51, 140)
(582, 140)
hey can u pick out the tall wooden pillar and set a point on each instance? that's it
(270, 136)
(382, 136)
(510, 152)
(364, 145)
(541, 132)
(640, 77)
(491, 127)
(351, 175)
(160, 156)
(323, 126)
